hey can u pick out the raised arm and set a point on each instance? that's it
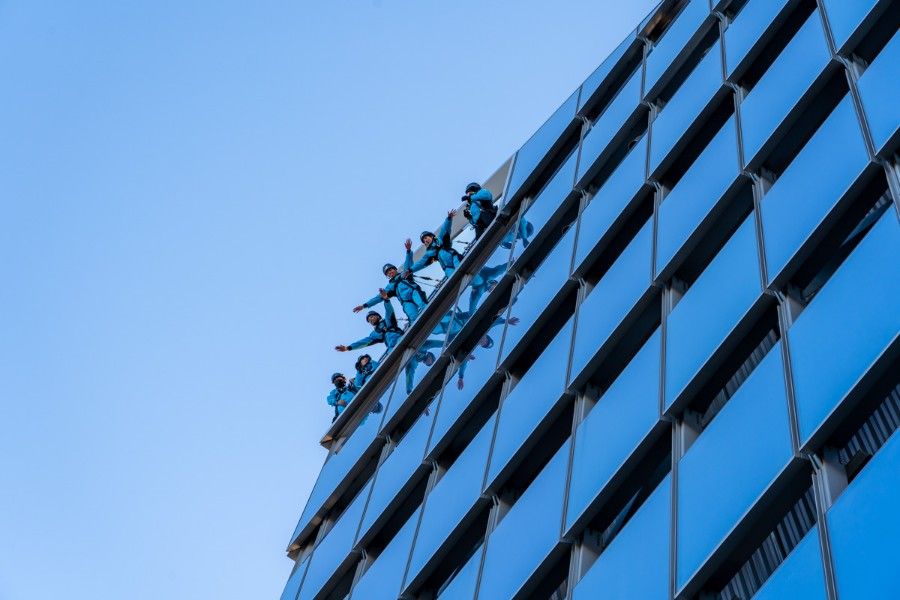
(389, 315)
(408, 262)
(443, 233)
(482, 195)
(370, 340)
(423, 262)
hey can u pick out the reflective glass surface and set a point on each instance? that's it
(542, 285)
(711, 308)
(610, 123)
(674, 39)
(879, 89)
(770, 101)
(532, 398)
(845, 16)
(611, 299)
(463, 584)
(685, 106)
(636, 563)
(592, 83)
(335, 547)
(864, 526)
(397, 468)
(451, 498)
(531, 153)
(484, 282)
(814, 181)
(531, 527)
(623, 416)
(384, 577)
(695, 195)
(611, 200)
(755, 17)
(800, 576)
(549, 199)
(847, 325)
(292, 588)
(732, 462)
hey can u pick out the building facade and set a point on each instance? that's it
(670, 368)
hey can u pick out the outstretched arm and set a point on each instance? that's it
(423, 262)
(389, 314)
(482, 195)
(443, 233)
(408, 263)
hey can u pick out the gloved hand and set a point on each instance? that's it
(342, 348)
(408, 244)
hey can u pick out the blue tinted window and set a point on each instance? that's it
(463, 584)
(384, 577)
(531, 527)
(530, 401)
(595, 79)
(481, 285)
(609, 123)
(549, 199)
(453, 496)
(611, 299)
(879, 90)
(636, 563)
(845, 16)
(674, 40)
(848, 325)
(734, 460)
(864, 526)
(711, 308)
(800, 576)
(532, 299)
(687, 103)
(694, 197)
(292, 588)
(397, 468)
(817, 178)
(334, 549)
(623, 416)
(755, 17)
(531, 153)
(611, 200)
(770, 101)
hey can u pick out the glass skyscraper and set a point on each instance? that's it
(670, 368)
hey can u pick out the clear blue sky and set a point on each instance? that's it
(194, 196)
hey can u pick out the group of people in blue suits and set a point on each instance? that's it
(480, 211)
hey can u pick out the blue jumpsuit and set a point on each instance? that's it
(364, 373)
(482, 281)
(477, 215)
(441, 250)
(405, 289)
(386, 332)
(345, 393)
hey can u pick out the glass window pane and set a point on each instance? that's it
(623, 416)
(609, 123)
(674, 40)
(397, 469)
(611, 299)
(695, 195)
(636, 563)
(334, 549)
(384, 577)
(542, 285)
(749, 25)
(453, 496)
(549, 199)
(879, 87)
(815, 180)
(864, 526)
(611, 200)
(685, 106)
(292, 588)
(745, 447)
(792, 73)
(595, 79)
(845, 16)
(530, 401)
(531, 527)
(480, 286)
(711, 308)
(463, 584)
(534, 150)
(848, 325)
(800, 576)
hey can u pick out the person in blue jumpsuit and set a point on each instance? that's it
(480, 209)
(365, 366)
(486, 342)
(401, 286)
(341, 395)
(385, 330)
(439, 248)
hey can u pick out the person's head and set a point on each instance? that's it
(472, 188)
(389, 270)
(427, 237)
(373, 318)
(363, 361)
(339, 380)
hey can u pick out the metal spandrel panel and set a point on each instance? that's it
(463, 585)
(879, 87)
(732, 463)
(847, 325)
(674, 39)
(592, 83)
(845, 16)
(800, 576)
(808, 190)
(384, 577)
